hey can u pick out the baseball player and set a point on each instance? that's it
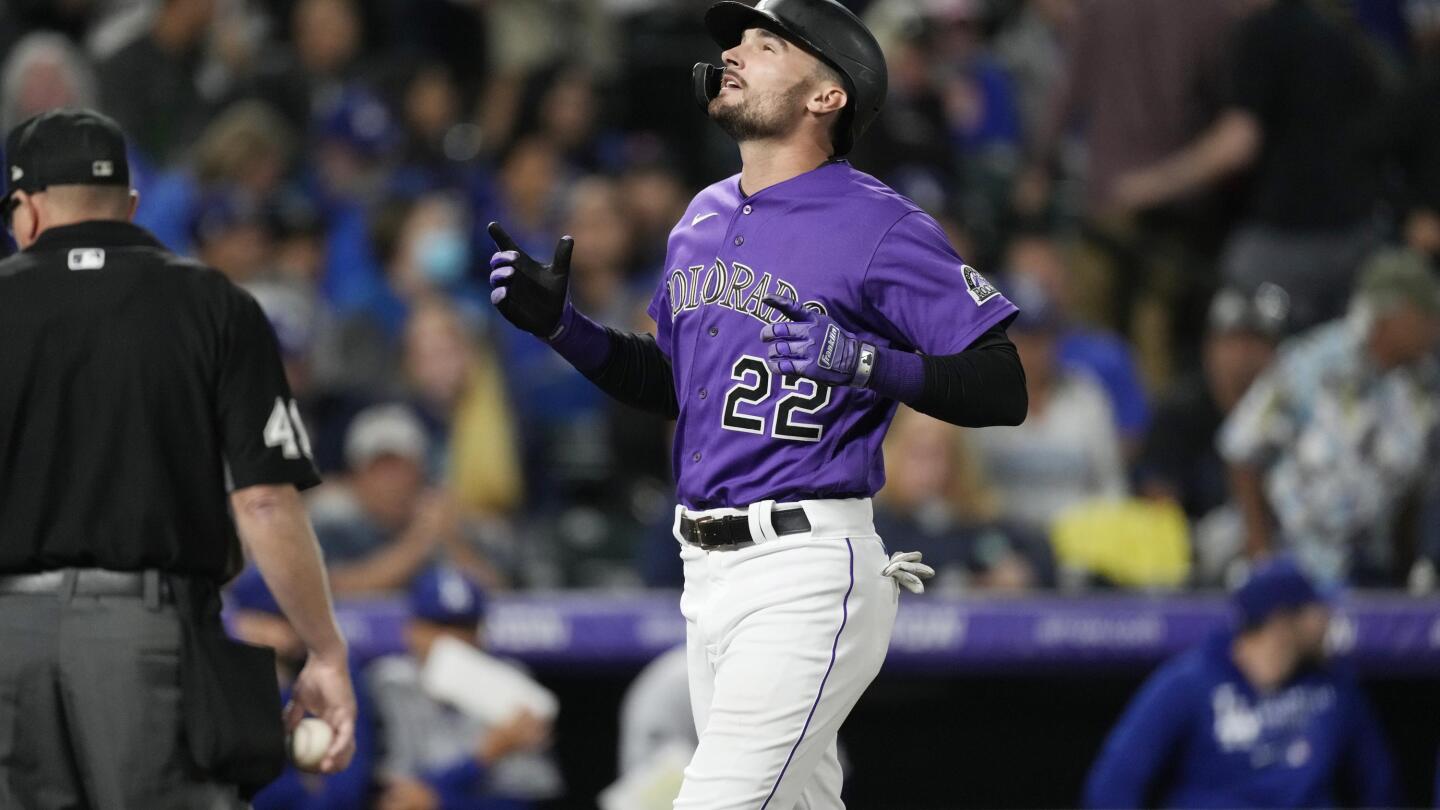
(1252, 717)
(802, 300)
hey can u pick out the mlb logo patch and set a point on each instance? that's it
(975, 284)
(102, 168)
(87, 258)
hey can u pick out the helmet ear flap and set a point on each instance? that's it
(705, 79)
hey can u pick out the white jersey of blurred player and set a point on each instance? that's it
(655, 713)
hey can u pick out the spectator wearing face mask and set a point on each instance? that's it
(423, 244)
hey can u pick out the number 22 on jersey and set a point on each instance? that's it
(753, 386)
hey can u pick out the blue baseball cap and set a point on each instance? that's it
(249, 592)
(443, 595)
(1274, 586)
(221, 211)
(359, 119)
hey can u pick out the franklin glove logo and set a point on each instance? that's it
(827, 351)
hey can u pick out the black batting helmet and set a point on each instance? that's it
(827, 30)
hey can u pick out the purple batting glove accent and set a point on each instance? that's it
(782, 366)
(501, 274)
(813, 346)
(784, 330)
(785, 348)
(497, 295)
(504, 257)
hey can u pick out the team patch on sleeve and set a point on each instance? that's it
(979, 289)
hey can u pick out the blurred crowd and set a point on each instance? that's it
(1221, 221)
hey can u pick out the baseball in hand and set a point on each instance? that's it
(309, 742)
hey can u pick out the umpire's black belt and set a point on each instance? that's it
(89, 582)
(715, 533)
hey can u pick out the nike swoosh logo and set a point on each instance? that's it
(699, 218)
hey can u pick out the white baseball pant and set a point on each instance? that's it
(783, 637)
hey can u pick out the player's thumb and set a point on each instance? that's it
(789, 307)
(563, 249)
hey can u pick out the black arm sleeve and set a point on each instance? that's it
(981, 386)
(638, 374)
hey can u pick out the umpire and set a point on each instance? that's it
(137, 389)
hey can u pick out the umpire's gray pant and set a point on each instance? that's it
(90, 707)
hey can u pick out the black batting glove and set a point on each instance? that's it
(529, 294)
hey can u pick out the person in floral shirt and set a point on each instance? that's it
(1329, 448)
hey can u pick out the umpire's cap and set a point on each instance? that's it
(63, 147)
(829, 31)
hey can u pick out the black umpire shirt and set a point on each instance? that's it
(136, 390)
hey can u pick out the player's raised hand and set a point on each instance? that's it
(810, 345)
(529, 294)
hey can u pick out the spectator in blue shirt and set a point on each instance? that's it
(1252, 718)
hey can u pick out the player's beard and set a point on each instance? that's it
(757, 116)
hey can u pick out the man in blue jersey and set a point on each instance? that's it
(1252, 718)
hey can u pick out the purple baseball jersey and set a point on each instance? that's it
(840, 242)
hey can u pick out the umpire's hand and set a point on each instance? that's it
(323, 689)
(529, 294)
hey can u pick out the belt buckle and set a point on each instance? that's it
(702, 524)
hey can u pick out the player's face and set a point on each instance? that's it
(764, 91)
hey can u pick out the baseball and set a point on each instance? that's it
(309, 742)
